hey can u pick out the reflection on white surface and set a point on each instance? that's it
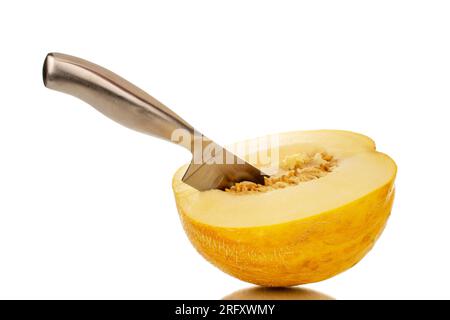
(261, 293)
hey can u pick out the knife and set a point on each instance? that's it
(123, 102)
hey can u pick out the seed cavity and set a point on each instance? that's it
(294, 169)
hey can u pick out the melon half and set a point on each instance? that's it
(316, 217)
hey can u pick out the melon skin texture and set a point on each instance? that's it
(306, 240)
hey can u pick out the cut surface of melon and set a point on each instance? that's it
(315, 219)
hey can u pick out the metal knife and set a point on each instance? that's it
(130, 106)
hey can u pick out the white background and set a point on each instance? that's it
(86, 206)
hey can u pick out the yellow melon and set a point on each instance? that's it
(316, 217)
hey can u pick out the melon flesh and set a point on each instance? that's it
(300, 233)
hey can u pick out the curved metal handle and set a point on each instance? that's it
(112, 95)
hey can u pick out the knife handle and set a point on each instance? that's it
(113, 96)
